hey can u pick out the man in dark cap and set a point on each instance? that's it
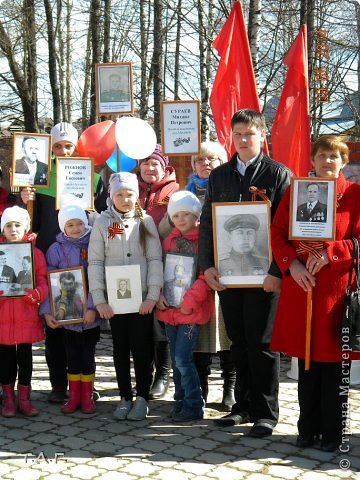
(241, 259)
(248, 312)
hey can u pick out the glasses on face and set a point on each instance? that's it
(211, 160)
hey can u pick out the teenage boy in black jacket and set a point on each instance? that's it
(248, 312)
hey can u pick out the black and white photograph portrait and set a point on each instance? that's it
(312, 208)
(124, 288)
(67, 294)
(16, 268)
(241, 240)
(312, 199)
(179, 275)
(31, 158)
(114, 88)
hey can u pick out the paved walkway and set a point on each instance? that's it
(53, 446)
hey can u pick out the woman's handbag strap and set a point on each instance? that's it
(354, 266)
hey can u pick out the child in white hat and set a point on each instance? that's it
(185, 304)
(125, 235)
(80, 339)
(45, 223)
(20, 323)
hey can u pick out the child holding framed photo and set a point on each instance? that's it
(185, 304)
(125, 236)
(20, 323)
(80, 338)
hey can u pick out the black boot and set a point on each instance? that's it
(229, 375)
(162, 371)
(228, 399)
(202, 362)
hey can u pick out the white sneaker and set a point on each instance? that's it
(122, 409)
(140, 409)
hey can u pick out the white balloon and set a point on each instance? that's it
(135, 137)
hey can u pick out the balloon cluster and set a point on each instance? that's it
(118, 144)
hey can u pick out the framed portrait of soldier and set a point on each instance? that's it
(67, 292)
(241, 235)
(74, 180)
(16, 268)
(114, 88)
(312, 209)
(31, 161)
(123, 287)
(179, 275)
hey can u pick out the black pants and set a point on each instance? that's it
(203, 361)
(322, 400)
(133, 334)
(14, 358)
(55, 355)
(247, 313)
(80, 350)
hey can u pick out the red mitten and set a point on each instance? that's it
(33, 296)
(1, 292)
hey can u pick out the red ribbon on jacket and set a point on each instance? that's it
(83, 254)
(164, 201)
(115, 230)
(260, 192)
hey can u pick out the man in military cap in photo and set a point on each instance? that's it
(241, 260)
(118, 89)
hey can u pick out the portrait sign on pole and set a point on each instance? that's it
(180, 127)
(75, 178)
(31, 162)
(114, 88)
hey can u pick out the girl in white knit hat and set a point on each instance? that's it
(80, 339)
(20, 323)
(125, 235)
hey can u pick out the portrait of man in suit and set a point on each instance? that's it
(313, 210)
(123, 290)
(7, 274)
(29, 164)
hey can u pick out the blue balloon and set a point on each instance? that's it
(126, 163)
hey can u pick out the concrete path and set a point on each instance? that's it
(54, 446)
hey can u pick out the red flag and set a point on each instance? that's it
(234, 85)
(290, 134)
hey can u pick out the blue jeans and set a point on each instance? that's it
(182, 341)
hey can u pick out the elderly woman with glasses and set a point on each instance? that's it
(212, 337)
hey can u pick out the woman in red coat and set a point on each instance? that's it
(322, 390)
(20, 323)
(157, 182)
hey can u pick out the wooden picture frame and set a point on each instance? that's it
(180, 272)
(74, 178)
(116, 276)
(312, 209)
(16, 268)
(241, 235)
(114, 88)
(180, 127)
(31, 160)
(68, 294)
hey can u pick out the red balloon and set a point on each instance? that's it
(98, 142)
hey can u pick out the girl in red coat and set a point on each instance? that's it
(20, 323)
(194, 307)
(323, 388)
